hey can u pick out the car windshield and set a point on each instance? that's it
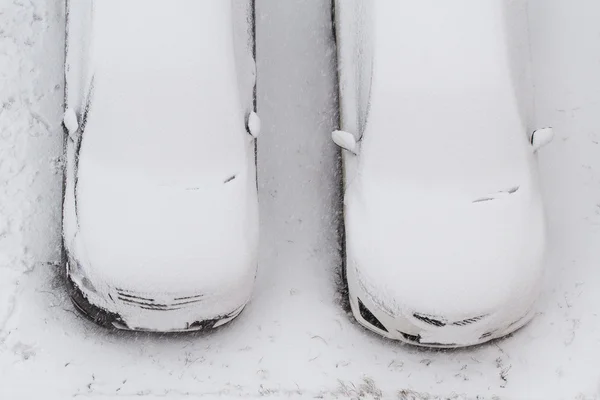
(445, 109)
(433, 138)
(140, 72)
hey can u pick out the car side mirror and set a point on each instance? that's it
(345, 140)
(541, 137)
(254, 124)
(71, 123)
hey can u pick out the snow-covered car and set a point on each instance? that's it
(160, 205)
(444, 220)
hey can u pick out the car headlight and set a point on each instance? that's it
(78, 275)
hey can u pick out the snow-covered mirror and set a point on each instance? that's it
(254, 124)
(345, 140)
(541, 137)
(70, 121)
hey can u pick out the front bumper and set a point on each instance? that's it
(124, 310)
(433, 331)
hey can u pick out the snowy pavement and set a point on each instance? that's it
(30, 142)
(294, 340)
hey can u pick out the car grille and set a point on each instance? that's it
(440, 322)
(469, 321)
(429, 320)
(149, 303)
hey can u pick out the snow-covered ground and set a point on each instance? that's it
(294, 340)
(31, 95)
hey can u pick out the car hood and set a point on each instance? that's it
(438, 251)
(168, 237)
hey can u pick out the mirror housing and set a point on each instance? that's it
(254, 124)
(71, 122)
(541, 137)
(345, 140)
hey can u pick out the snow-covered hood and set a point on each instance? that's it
(440, 252)
(168, 238)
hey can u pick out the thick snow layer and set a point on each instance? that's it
(443, 108)
(432, 252)
(166, 193)
(427, 226)
(294, 341)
